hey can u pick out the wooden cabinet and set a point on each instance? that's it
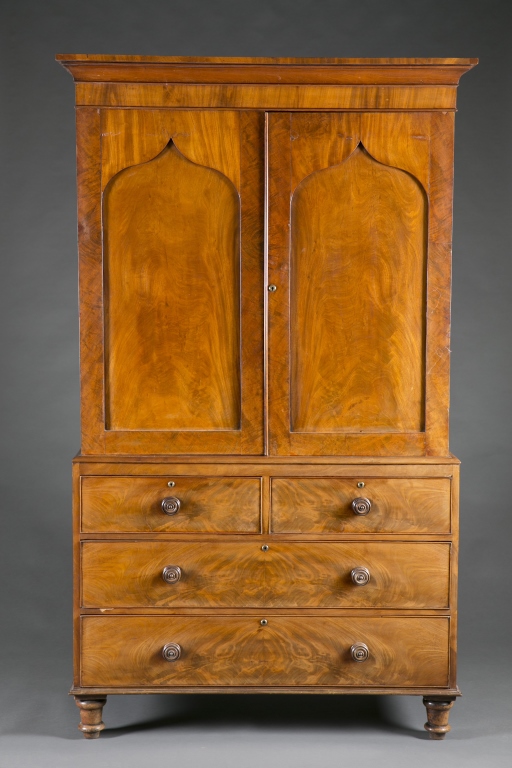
(264, 499)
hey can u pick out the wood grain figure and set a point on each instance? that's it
(207, 504)
(325, 505)
(358, 281)
(172, 297)
(241, 574)
(265, 498)
(288, 650)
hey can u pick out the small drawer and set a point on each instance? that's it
(286, 575)
(386, 505)
(191, 504)
(284, 651)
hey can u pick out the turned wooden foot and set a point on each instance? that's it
(91, 710)
(438, 712)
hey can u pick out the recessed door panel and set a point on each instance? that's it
(360, 284)
(172, 308)
(173, 362)
(357, 283)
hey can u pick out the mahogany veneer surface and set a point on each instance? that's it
(289, 650)
(207, 504)
(241, 574)
(324, 505)
(265, 282)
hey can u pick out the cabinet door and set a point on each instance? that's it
(171, 280)
(359, 252)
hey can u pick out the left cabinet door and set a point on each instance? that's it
(171, 280)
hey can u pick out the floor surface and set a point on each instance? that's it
(39, 729)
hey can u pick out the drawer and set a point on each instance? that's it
(287, 575)
(324, 505)
(206, 504)
(289, 650)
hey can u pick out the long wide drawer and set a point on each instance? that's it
(288, 650)
(195, 504)
(389, 505)
(287, 574)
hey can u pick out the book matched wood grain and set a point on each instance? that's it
(284, 575)
(264, 499)
(359, 252)
(288, 650)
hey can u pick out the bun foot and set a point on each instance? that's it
(438, 712)
(91, 711)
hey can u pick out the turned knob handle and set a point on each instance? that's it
(171, 505)
(360, 575)
(171, 574)
(361, 506)
(171, 651)
(359, 652)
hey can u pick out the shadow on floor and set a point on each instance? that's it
(281, 711)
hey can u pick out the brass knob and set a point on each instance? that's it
(171, 574)
(171, 505)
(361, 506)
(171, 652)
(360, 575)
(359, 652)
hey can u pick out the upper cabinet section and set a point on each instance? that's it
(198, 177)
(171, 249)
(265, 83)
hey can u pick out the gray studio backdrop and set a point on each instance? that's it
(39, 371)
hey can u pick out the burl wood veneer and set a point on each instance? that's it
(264, 500)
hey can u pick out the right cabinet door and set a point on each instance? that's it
(359, 217)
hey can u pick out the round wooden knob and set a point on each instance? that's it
(361, 506)
(171, 505)
(359, 652)
(171, 651)
(360, 575)
(171, 574)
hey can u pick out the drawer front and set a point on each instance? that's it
(324, 505)
(289, 650)
(289, 574)
(206, 504)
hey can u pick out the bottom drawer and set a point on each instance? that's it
(289, 650)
